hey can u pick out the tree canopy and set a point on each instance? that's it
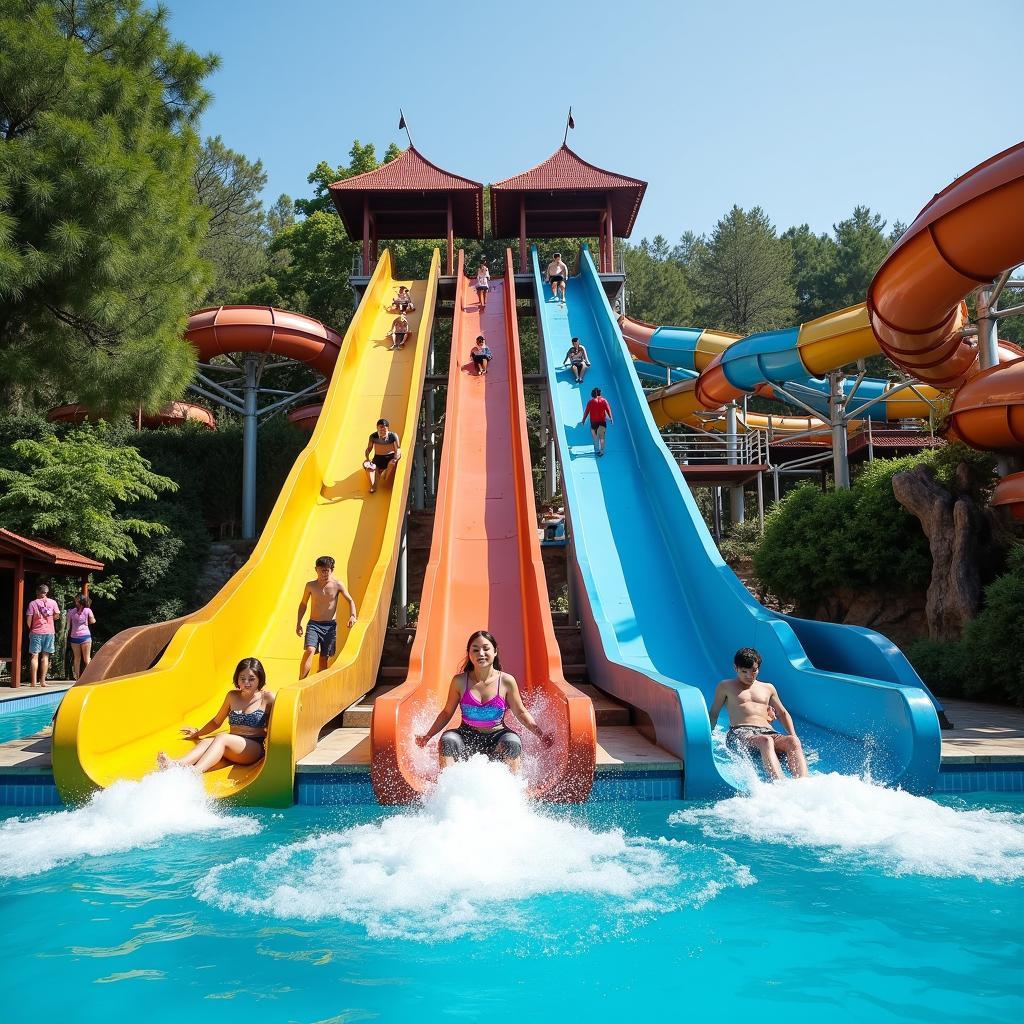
(100, 232)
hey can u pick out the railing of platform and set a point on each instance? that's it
(701, 449)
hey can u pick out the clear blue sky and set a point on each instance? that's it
(805, 107)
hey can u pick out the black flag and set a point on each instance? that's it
(572, 123)
(401, 121)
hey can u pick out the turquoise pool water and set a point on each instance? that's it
(843, 902)
(16, 723)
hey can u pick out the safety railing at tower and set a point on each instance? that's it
(699, 448)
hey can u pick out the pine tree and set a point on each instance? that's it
(100, 230)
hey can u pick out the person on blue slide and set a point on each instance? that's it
(482, 693)
(558, 272)
(577, 360)
(600, 413)
(752, 706)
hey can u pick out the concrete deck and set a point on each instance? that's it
(14, 692)
(984, 734)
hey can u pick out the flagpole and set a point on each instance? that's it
(568, 124)
(402, 124)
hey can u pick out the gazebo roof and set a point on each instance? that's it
(408, 197)
(50, 556)
(565, 195)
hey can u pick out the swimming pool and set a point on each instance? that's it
(845, 902)
(25, 716)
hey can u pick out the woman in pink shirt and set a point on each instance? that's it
(80, 618)
(600, 413)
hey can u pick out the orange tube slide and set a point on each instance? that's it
(965, 237)
(485, 572)
(223, 329)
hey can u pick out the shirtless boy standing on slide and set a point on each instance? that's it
(322, 628)
(752, 705)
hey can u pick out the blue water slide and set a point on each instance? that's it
(662, 613)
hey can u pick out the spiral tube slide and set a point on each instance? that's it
(729, 366)
(113, 731)
(967, 236)
(663, 614)
(485, 572)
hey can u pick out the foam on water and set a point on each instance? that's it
(851, 819)
(477, 856)
(122, 817)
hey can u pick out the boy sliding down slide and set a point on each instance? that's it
(752, 705)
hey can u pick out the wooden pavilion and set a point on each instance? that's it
(409, 197)
(566, 197)
(25, 558)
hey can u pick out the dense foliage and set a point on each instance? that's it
(100, 231)
(860, 538)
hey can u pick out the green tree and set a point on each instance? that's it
(100, 231)
(813, 256)
(228, 185)
(656, 286)
(743, 277)
(860, 246)
(74, 492)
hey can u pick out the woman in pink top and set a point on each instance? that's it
(80, 618)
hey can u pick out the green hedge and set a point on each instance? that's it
(815, 541)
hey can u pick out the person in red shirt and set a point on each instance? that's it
(600, 413)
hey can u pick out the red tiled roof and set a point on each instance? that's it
(43, 551)
(408, 197)
(564, 181)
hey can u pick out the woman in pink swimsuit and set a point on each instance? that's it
(482, 692)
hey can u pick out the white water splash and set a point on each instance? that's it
(472, 860)
(851, 819)
(124, 816)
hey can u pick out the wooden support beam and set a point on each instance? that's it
(18, 624)
(366, 237)
(451, 240)
(523, 266)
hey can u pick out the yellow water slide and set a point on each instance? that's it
(114, 730)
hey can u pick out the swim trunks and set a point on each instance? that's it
(322, 636)
(736, 738)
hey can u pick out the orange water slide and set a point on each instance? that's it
(965, 238)
(485, 572)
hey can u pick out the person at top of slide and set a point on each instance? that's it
(321, 634)
(483, 283)
(577, 359)
(402, 302)
(383, 442)
(600, 413)
(481, 355)
(483, 692)
(41, 617)
(558, 272)
(247, 709)
(752, 706)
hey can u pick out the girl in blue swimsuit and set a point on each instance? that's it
(247, 709)
(482, 692)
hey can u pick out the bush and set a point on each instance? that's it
(940, 664)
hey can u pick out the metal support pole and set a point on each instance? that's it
(735, 492)
(716, 513)
(840, 458)
(871, 447)
(775, 482)
(403, 576)
(570, 585)
(431, 460)
(988, 343)
(550, 475)
(417, 475)
(249, 429)
(760, 500)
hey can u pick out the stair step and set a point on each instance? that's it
(607, 710)
(358, 715)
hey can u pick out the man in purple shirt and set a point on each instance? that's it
(41, 618)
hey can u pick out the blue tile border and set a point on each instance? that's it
(14, 704)
(30, 790)
(334, 789)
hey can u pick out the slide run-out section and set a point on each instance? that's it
(485, 572)
(113, 731)
(663, 614)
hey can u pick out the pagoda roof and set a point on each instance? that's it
(408, 198)
(562, 198)
(44, 553)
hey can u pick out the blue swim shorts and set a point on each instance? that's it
(40, 643)
(322, 636)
